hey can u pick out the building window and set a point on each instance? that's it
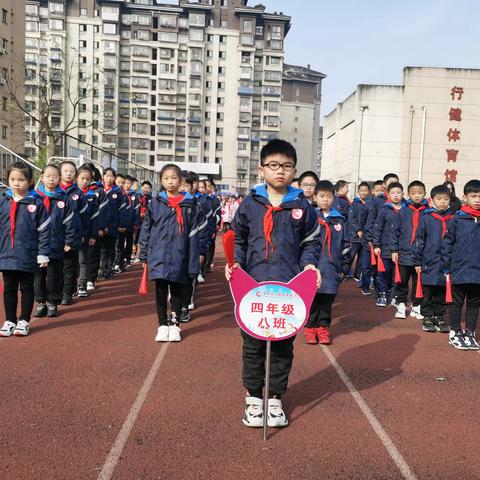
(4, 16)
(248, 26)
(4, 131)
(56, 8)
(4, 103)
(83, 28)
(31, 26)
(247, 39)
(196, 35)
(83, 12)
(110, 28)
(224, 3)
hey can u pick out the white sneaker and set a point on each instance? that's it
(416, 313)
(276, 415)
(7, 329)
(174, 334)
(191, 306)
(401, 311)
(200, 278)
(90, 286)
(162, 334)
(253, 416)
(22, 329)
(393, 302)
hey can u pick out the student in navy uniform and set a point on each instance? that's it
(307, 182)
(24, 246)
(357, 218)
(216, 220)
(91, 226)
(49, 280)
(68, 172)
(276, 233)
(127, 213)
(144, 197)
(427, 258)
(133, 223)
(403, 239)
(383, 240)
(116, 203)
(169, 246)
(189, 185)
(461, 259)
(341, 202)
(205, 202)
(455, 202)
(103, 220)
(332, 264)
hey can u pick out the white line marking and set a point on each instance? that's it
(372, 420)
(117, 448)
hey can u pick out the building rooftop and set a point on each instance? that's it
(306, 74)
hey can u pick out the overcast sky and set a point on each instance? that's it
(370, 41)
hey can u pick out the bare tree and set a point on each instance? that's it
(58, 92)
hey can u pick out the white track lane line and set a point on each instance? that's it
(117, 448)
(372, 420)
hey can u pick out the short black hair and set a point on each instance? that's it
(129, 178)
(120, 175)
(388, 176)
(96, 172)
(439, 190)
(278, 146)
(68, 162)
(146, 182)
(325, 186)
(395, 185)
(85, 168)
(417, 183)
(363, 184)
(170, 166)
(340, 184)
(188, 177)
(51, 165)
(306, 174)
(472, 186)
(109, 169)
(25, 169)
(378, 182)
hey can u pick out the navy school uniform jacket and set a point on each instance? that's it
(206, 205)
(294, 236)
(102, 216)
(129, 214)
(342, 205)
(171, 254)
(427, 249)
(383, 229)
(461, 249)
(29, 243)
(136, 205)
(403, 236)
(203, 231)
(63, 229)
(91, 219)
(374, 207)
(116, 210)
(335, 246)
(357, 219)
(79, 209)
(217, 209)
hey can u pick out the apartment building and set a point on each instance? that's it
(12, 46)
(194, 82)
(300, 113)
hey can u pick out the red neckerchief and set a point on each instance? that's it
(107, 189)
(268, 227)
(128, 196)
(328, 236)
(13, 217)
(174, 202)
(46, 199)
(345, 197)
(471, 211)
(65, 186)
(85, 190)
(443, 219)
(415, 219)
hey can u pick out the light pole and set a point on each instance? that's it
(362, 112)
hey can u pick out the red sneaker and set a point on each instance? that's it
(323, 334)
(310, 336)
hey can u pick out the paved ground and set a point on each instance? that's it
(90, 395)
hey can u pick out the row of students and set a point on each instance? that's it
(71, 222)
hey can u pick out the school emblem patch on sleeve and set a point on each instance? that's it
(297, 213)
(61, 204)
(338, 227)
(32, 208)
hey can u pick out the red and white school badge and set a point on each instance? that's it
(61, 204)
(32, 208)
(297, 213)
(75, 197)
(114, 195)
(338, 227)
(133, 198)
